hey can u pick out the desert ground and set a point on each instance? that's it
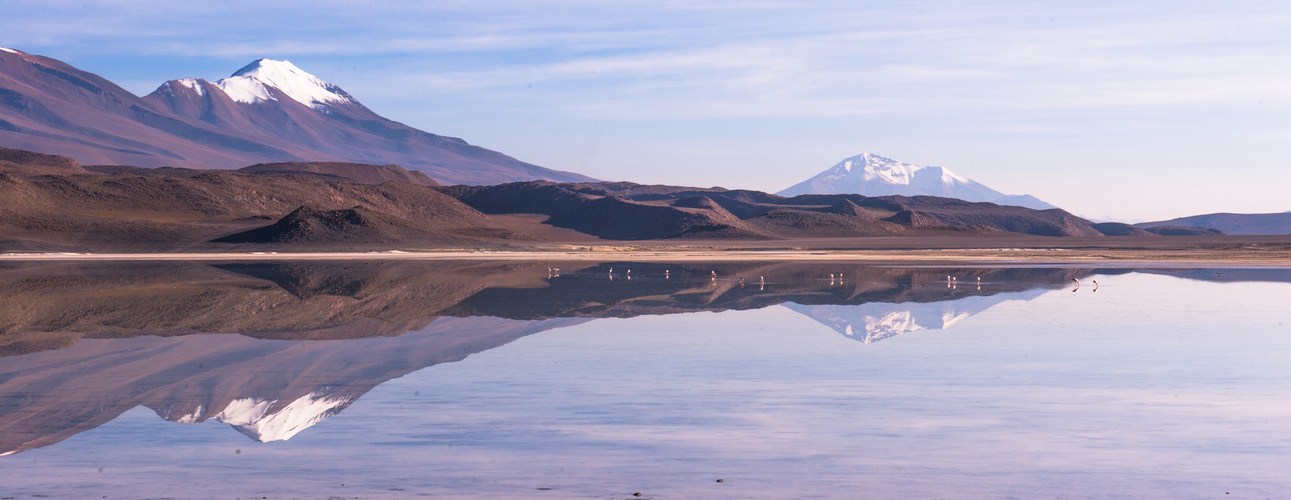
(1261, 251)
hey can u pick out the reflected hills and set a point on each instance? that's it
(52, 306)
(274, 348)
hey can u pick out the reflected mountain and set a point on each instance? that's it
(268, 389)
(274, 348)
(878, 321)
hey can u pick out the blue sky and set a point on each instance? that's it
(1144, 111)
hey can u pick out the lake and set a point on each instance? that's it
(580, 380)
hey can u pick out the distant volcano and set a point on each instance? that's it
(874, 175)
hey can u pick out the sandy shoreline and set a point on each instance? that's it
(985, 256)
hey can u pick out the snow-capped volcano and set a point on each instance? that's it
(268, 111)
(874, 175)
(253, 82)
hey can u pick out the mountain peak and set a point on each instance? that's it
(869, 167)
(251, 84)
(873, 175)
(192, 84)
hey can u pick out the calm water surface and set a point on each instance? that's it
(891, 384)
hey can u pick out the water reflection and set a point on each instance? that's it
(877, 321)
(275, 348)
(52, 306)
(267, 389)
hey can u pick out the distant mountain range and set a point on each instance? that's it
(874, 175)
(268, 111)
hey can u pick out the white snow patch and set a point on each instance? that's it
(193, 85)
(950, 318)
(251, 84)
(887, 169)
(244, 411)
(11, 51)
(890, 325)
(251, 416)
(245, 90)
(191, 418)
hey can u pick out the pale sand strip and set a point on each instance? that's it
(913, 257)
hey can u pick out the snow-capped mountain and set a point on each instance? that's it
(874, 175)
(268, 111)
(259, 80)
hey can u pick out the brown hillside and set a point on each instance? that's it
(358, 173)
(181, 208)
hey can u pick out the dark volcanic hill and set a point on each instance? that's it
(269, 111)
(312, 225)
(1183, 231)
(1279, 223)
(19, 162)
(1120, 229)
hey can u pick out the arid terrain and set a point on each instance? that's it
(54, 208)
